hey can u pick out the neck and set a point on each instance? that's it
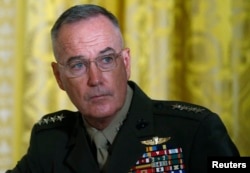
(99, 123)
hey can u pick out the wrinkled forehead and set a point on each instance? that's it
(88, 35)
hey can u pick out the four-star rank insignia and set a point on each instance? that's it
(188, 108)
(51, 119)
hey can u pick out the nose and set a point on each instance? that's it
(94, 74)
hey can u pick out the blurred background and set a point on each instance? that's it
(190, 50)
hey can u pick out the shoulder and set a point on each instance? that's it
(62, 118)
(182, 110)
(174, 109)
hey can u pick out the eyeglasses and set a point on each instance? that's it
(78, 67)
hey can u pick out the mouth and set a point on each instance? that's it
(98, 94)
(96, 97)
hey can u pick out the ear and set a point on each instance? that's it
(126, 60)
(57, 75)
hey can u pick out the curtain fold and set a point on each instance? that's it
(194, 50)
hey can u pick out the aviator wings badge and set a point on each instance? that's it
(155, 141)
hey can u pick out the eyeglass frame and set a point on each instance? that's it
(87, 63)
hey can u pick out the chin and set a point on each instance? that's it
(103, 112)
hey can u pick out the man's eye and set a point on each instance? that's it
(107, 59)
(77, 65)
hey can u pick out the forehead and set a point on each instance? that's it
(89, 35)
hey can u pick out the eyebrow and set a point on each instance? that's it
(107, 49)
(78, 57)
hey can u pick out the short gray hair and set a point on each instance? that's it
(81, 12)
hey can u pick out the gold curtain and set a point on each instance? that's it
(191, 50)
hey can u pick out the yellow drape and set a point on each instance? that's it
(191, 50)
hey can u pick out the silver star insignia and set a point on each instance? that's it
(52, 119)
(187, 108)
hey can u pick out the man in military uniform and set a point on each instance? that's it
(118, 128)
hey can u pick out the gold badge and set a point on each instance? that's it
(155, 141)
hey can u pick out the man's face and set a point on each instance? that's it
(96, 94)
